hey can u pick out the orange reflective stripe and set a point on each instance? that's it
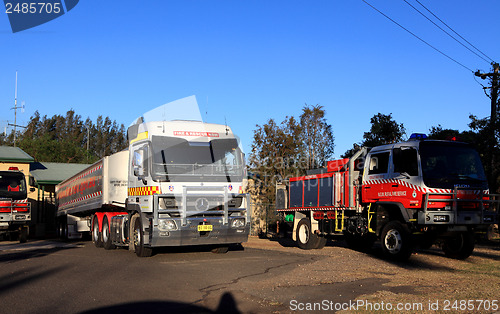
(145, 190)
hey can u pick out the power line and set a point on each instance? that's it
(444, 30)
(453, 30)
(447, 56)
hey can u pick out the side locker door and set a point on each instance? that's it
(375, 181)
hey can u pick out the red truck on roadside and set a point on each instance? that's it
(406, 195)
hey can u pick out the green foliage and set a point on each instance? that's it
(316, 136)
(384, 130)
(65, 138)
(288, 149)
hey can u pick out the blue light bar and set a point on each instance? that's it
(418, 136)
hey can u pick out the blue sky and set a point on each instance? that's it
(249, 61)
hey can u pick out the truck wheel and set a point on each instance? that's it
(460, 246)
(96, 234)
(321, 243)
(140, 249)
(106, 236)
(396, 241)
(62, 230)
(23, 234)
(306, 240)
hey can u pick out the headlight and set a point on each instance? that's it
(167, 225)
(167, 203)
(238, 223)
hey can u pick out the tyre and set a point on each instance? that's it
(106, 236)
(321, 243)
(220, 250)
(62, 230)
(140, 249)
(307, 240)
(96, 234)
(396, 240)
(460, 246)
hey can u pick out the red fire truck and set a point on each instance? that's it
(406, 195)
(15, 210)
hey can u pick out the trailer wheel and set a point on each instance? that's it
(460, 246)
(396, 241)
(307, 240)
(106, 236)
(140, 249)
(62, 228)
(96, 234)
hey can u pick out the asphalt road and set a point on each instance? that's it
(263, 276)
(61, 277)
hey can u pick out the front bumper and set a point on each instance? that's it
(190, 234)
(186, 225)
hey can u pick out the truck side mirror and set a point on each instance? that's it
(138, 171)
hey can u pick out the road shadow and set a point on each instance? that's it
(375, 251)
(15, 252)
(25, 277)
(194, 249)
(227, 304)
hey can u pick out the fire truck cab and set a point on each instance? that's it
(15, 210)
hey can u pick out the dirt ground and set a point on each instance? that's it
(427, 282)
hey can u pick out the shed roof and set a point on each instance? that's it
(53, 172)
(14, 154)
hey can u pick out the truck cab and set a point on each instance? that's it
(186, 184)
(15, 210)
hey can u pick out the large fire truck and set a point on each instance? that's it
(15, 210)
(178, 183)
(406, 195)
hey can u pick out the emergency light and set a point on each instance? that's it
(418, 136)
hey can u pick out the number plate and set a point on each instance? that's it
(205, 227)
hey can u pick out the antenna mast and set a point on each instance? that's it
(15, 114)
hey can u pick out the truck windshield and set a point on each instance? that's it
(12, 185)
(176, 159)
(450, 165)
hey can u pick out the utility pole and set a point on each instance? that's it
(494, 77)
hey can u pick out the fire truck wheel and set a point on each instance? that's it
(460, 246)
(396, 241)
(140, 249)
(321, 243)
(96, 234)
(306, 240)
(106, 236)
